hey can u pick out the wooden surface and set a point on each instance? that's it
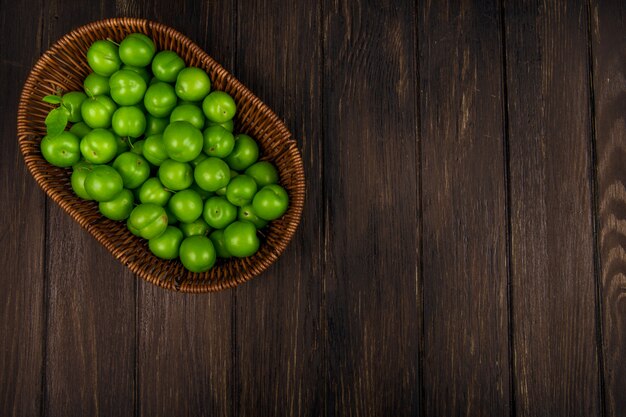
(553, 315)
(464, 227)
(463, 245)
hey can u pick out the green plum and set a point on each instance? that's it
(218, 212)
(244, 154)
(246, 214)
(160, 99)
(219, 107)
(152, 191)
(103, 183)
(217, 237)
(147, 221)
(240, 239)
(99, 146)
(129, 121)
(212, 174)
(133, 168)
(154, 150)
(188, 113)
(241, 190)
(196, 228)
(166, 65)
(270, 202)
(127, 87)
(103, 58)
(192, 84)
(77, 180)
(62, 150)
(98, 111)
(197, 253)
(186, 205)
(137, 50)
(183, 142)
(263, 172)
(175, 175)
(166, 245)
(96, 85)
(218, 141)
(120, 207)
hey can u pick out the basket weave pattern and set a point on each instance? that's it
(64, 66)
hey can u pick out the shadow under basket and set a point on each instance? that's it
(64, 67)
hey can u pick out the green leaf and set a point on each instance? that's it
(52, 99)
(56, 121)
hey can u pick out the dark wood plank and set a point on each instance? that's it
(466, 359)
(609, 81)
(279, 345)
(185, 341)
(91, 326)
(370, 192)
(552, 266)
(22, 239)
(184, 353)
(90, 366)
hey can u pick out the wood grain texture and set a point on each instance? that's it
(184, 353)
(185, 342)
(91, 326)
(90, 356)
(609, 70)
(371, 188)
(22, 235)
(552, 264)
(466, 358)
(279, 362)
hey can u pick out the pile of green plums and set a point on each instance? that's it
(154, 146)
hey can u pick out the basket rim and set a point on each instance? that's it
(296, 205)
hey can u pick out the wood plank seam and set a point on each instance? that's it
(509, 237)
(595, 218)
(325, 229)
(419, 284)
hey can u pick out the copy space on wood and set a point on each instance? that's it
(552, 266)
(371, 187)
(464, 255)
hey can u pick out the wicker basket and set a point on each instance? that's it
(64, 67)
